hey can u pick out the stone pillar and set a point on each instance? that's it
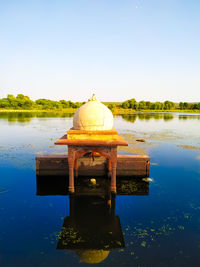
(109, 168)
(71, 205)
(71, 159)
(76, 167)
(113, 186)
(113, 205)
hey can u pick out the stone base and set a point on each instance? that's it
(127, 165)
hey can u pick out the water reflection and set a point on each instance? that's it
(92, 230)
(187, 116)
(28, 116)
(58, 185)
(148, 116)
(161, 229)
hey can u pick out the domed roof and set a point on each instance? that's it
(93, 255)
(93, 116)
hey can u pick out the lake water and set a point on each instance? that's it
(158, 225)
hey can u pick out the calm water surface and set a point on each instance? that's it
(157, 225)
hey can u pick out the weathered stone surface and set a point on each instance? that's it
(93, 115)
(97, 138)
(127, 165)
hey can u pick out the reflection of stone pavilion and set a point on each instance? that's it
(57, 185)
(92, 256)
(91, 230)
(93, 134)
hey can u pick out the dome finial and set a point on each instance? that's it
(93, 98)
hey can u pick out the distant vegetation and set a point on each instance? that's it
(22, 102)
(25, 103)
(167, 105)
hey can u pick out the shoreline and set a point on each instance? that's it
(115, 111)
(70, 110)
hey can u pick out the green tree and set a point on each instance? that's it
(168, 105)
(12, 101)
(198, 106)
(65, 104)
(129, 103)
(112, 106)
(4, 103)
(185, 105)
(141, 105)
(125, 104)
(181, 105)
(24, 102)
(148, 104)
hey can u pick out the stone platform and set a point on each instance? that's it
(127, 165)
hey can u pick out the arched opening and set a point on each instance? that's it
(93, 154)
(109, 152)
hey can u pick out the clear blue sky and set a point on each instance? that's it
(119, 49)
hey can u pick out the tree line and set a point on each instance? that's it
(166, 105)
(24, 102)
